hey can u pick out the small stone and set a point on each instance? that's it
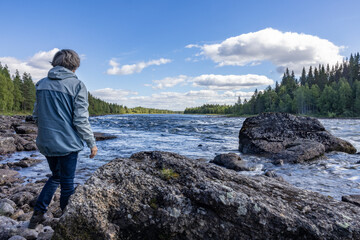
(46, 233)
(6, 209)
(29, 234)
(17, 237)
(17, 214)
(230, 161)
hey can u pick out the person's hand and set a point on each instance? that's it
(93, 152)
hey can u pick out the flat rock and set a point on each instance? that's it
(159, 195)
(8, 176)
(230, 161)
(290, 138)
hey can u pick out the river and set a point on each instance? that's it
(202, 136)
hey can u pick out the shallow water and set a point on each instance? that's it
(199, 136)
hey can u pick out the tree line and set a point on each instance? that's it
(18, 94)
(321, 91)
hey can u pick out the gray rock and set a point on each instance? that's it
(46, 233)
(290, 138)
(158, 195)
(26, 162)
(230, 161)
(7, 227)
(8, 177)
(25, 128)
(29, 234)
(6, 209)
(17, 237)
(7, 145)
(8, 201)
(354, 199)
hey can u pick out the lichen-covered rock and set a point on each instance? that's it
(230, 161)
(290, 138)
(158, 195)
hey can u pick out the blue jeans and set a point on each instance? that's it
(63, 173)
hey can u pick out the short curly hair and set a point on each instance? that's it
(66, 58)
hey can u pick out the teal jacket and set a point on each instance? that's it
(61, 113)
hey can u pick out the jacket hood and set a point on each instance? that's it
(60, 73)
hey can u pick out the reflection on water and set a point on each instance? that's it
(197, 136)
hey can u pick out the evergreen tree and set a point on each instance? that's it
(303, 77)
(29, 92)
(18, 95)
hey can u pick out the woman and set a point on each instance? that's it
(61, 113)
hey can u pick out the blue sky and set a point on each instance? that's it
(177, 54)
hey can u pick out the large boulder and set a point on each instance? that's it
(159, 195)
(290, 138)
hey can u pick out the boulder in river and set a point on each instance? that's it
(287, 137)
(230, 161)
(160, 195)
(103, 136)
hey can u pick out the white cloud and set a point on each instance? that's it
(37, 65)
(170, 100)
(133, 68)
(231, 82)
(215, 82)
(169, 82)
(283, 49)
(112, 95)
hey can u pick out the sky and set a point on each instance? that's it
(178, 54)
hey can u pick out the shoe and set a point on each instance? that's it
(37, 218)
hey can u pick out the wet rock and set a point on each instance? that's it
(25, 162)
(7, 145)
(6, 209)
(273, 174)
(354, 199)
(230, 161)
(288, 137)
(131, 199)
(103, 136)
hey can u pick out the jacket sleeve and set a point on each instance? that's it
(81, 116)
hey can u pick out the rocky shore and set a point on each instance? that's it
(17, 198)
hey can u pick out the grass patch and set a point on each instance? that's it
(153, 203)
(167, 174)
